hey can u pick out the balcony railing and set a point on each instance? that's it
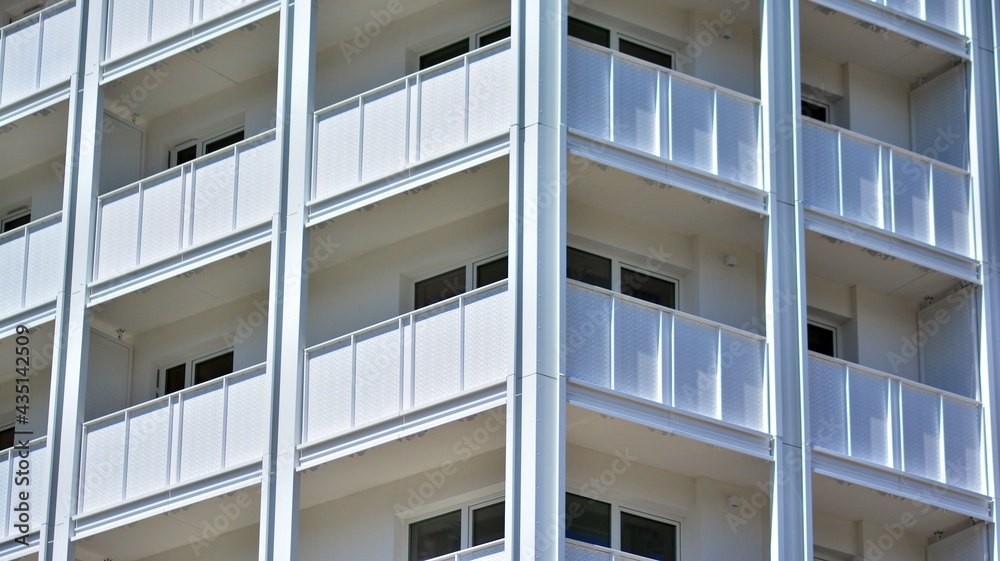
(949, 14)
(580, 551)
(175, 439)
(648, 351)
(492, 551)
(199, 202)
(880, 185)
(39, 51)
(896, 423)
(38, 487)
(32, 258)
(425, 356)
(621, 99)
(414, 119)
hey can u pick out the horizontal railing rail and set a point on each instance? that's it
(39, 51)
(194, 433)
(887, 187)
(652, 109)
(659, 354)
(418, 358)
(33, 257)
(11, 485)
(491, 551)
(896, 423)
(581, 551)
(186, 206)
(949, 14)
(413, 119)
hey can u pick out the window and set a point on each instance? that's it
(647, 287)
(442, 534)
(440, 287)
(16, 219)
(492, 271)
(589, 32)
(464, 45)
(187, 151)
(815, 110)
(590, 521)
(645, 53)
(195, 371)
(822, 339)
(492, 36)
(589, 268)
(611, 39)
(7, 438)
(597, 270)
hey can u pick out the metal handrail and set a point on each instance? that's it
(34, 224)
(458, 554)
(28, 19)
(614, 553)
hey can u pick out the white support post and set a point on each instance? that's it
(536, 403)
(279, 526)
(791, 511)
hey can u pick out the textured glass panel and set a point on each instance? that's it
(949, 357)
(20, 62)
(4, 491)
(104, 464)
(329, 391)
(12, 272)
(170, 17)
(162, 214)
(870, 418)
(921, 433)
(952, 213)
(246, 418)
(946, 13)
(38, 488)
(691, 112)
(213, 197)
(963, 450)
(577, 552)
(487, 338)
(635, 105)
(442, 110)
(911, 7)
(148, 447)
(696, 379)
(201, 432)
(436, 372)
(940, 117)
(214, 8)
(491, 93)
(59, 43)
(819, 167)
(827, 405)
(743, 381)
(45, 251)
(637, 338)
(257, 192)
(911, 197)
(129, 27)
(588, 335)
(338, 150)
(119, 235)
(588, 95)
(738, 151)
(377, 385)
(862, 190)
(384, 149)
(495, 553)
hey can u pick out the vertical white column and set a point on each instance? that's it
(536, 402)
(279, 527)
(791, 513)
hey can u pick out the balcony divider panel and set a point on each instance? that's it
(38, 52)
(33, 258)
(38, 456)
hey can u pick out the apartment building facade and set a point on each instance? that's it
(476, 279)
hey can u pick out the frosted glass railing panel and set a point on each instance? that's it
(414, 119)
(492, 551)
(199, 202)
(38, 52)
(434, 353)
(949, 14)
(896, 423)
(32, 258)
(655, 353)
(664, 113)
(37, 488)
(886, 187)
(198, 432)
(579, 551)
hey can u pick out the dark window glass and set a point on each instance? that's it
(453, 50)
(494, 36)
(649, 288)
(588, 268)
(649, 538)
(815, 111)
(12, 223)
(212, 368)
(436, 536)
(174, 379)
(487, 524)
(645, 53)
(7, 438)
(220, 143)
(185, 155)
(589, 32)
(587, 520)
(441, 287)
(489, 273)
(821, 339)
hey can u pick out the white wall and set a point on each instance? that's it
(234, 545)
(40, 187)
(879, 105)
(867, 539)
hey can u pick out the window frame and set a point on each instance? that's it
(472, 43)
(12, 216)
(828, 107)
(9, 427)
(617, 507)
(471, 276)
(465, 507)
(829, 327)
(200, 143)
(616, 35)
(616, 265)
(189, 366)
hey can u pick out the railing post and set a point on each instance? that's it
(24, 268)
(932, 229)
(894, 430)
(847, 410)
(3, 59)
(138, 231)
(127, 419)
(890, 188)
(840, 173)
(41, 43)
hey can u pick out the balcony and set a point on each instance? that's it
(896, 423)
(433, 114)
(662, 113)
(949, 14)
(38, 458)
(580, 551)
(178, 440)
(33, 258)
(38, 52)
(879, 185)
(492, 551)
